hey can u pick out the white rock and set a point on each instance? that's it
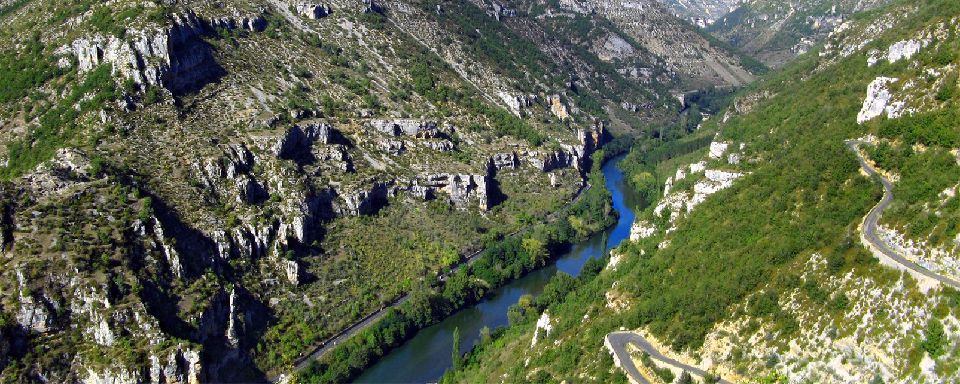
(543, 324)
(904, 50)
(698, 167)
(878, 100)
(615, 258)
(642, 229)
(717, 148)
(733, 158)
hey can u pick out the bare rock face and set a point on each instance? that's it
(499, 11)
(67, 169)
(517, 103)
(232, 332)
(364, 202)
(300, 138)
(250, 23)
(174, 57)
(391, 146)
(181, 366)
(616, 47)
(503, 161)
(313, 11)
(558, 108)
(229, 176)
(592, 139)
(407, 127)
(570, 155)
(291, 270)
(33, 314)
(879, 101)
(463, 190)
(717, 149)
(440, 145)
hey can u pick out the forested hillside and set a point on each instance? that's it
(199, 191)
(776, 32)
(754, 264)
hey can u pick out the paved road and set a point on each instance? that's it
(872, 218)
(345, 334)
(618, 341)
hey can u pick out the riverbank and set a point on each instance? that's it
(501, 262)
(425, 357)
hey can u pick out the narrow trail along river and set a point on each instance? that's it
(424, 358)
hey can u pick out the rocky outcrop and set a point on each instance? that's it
(517, 103)
(577, 6)
(635, 107)
(879, 101)
(366, 201)
(391, 146)
(313, 11)
(299, 139)
(502, 161)
(408, 127)
(714, 182)
(440, 145)
(642, 229)
(249, 23)
(463, 190)
(616, 47)
(592, 139)
(546, 161)
(336, 155)
(233, 332)
(229, 176)
(500, 11)
(675, 202)
(174, 57)
(33, 314)
(182, 365)
(542, 329)
(67, 169)
(570, 155)
(558, 108)
(718, 148)
(901, 50)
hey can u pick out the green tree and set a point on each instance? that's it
(773, 378)
(933, 342)
(536, 250)
(455, 353)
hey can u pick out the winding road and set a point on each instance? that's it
(329, 344)
(617, 342)
(870, 223)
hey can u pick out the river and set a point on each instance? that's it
(425, 357)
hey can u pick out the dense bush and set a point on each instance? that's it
(940, 128)
(59, 124)
(24, 71)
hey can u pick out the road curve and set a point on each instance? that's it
(618, 341)
(328, 345)
(870, 223)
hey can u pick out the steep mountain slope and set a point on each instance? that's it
(754, 264)
(204, 191)
(679, 47)
(701, 12)
(777, 31)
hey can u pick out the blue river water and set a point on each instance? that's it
(425, 357)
